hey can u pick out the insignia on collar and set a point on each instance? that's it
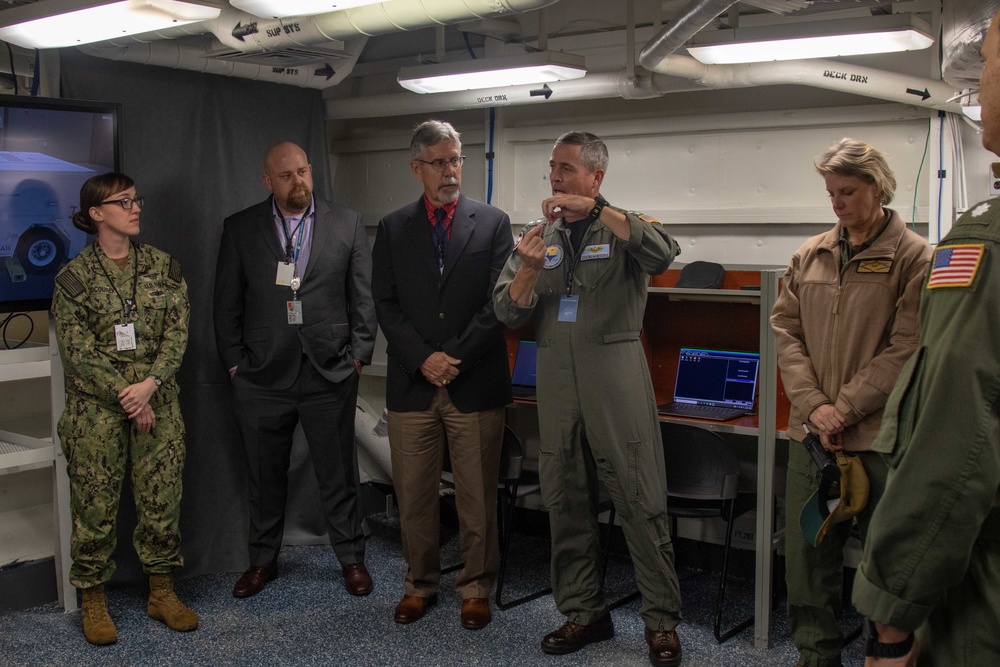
(982, 209)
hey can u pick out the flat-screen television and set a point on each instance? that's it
(48, 148)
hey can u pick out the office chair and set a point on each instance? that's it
(702, 477)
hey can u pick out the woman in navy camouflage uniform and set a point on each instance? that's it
(121, 316)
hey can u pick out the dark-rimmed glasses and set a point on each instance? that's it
(439, 164)
(126, 202)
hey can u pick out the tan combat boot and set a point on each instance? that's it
(98, 627)
(164, 606)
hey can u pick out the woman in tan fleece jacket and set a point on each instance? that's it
(846, 322)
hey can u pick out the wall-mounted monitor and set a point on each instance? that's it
(48, 148)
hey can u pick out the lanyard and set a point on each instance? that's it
(127, 304)
(298, 231)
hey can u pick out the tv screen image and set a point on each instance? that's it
(48, 148)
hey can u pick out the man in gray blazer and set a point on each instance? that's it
(436, 261)
(294, 324)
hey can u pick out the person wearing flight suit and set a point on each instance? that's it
(931, 567)
(580, 275)
(121, 318)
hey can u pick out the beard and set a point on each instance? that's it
(449, 191)
(299, 198)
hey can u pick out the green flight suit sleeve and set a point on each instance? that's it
(649, 243)
(508, 312)
(940, 438)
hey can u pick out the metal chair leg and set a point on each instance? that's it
(743, 625)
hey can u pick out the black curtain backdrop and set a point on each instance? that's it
(194, 145)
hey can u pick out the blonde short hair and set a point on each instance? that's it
(851, 157)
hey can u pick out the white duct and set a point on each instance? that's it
(182, 55)
(247, 33)
(374, 458)
(828, 74)
(590, 87)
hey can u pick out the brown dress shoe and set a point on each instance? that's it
(476, 613)
(254, 580)
(664, 647)
(357, 580)
(573, 636)
(412, 608)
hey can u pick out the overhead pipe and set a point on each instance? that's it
(181, 55)
(592, 86)
(247, 33)
(690, 21)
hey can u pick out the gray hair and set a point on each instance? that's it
(432, 132)
(593, 152)
(852, 157)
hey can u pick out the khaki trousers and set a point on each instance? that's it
(417, 443)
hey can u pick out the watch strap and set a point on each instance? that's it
(876, 649)
(599, 204)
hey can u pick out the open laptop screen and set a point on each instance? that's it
(716, 377)
(522, 379)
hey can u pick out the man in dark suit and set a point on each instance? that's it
(294, 324)
(435, 264)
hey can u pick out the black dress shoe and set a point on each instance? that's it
(664, 647)
(254, 580)
(573, 636)
(357, 580)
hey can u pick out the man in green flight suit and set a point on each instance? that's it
(580, 275)
(930, 578)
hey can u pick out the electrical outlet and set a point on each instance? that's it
(994, 179)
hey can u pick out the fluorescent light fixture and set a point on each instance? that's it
(818, 39)
(519, 69)
(283, 8)
(57, 23)
(973, 111)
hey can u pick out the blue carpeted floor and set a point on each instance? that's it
(305, 617)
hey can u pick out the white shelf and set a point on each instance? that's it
(25, 363)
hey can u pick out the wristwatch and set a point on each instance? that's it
(599, 204)
(876, 649)
(156, 380)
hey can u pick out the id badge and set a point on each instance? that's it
(295, 312)
(286, 271)
(567, 307)
(125, 337)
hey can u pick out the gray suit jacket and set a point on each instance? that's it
(251, 322)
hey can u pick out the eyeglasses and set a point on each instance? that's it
(126, 202)
(439, 164)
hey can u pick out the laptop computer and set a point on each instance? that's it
(522, 378)
(713, 384)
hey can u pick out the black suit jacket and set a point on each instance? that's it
(422, 311)
(251, 322)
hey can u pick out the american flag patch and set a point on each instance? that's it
(955, 265)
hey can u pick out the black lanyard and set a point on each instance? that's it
(299, 230)
(127, 304)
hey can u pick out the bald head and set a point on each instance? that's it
(288, 175)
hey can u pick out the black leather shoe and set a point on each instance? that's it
(412, 608)
(254, 580)
(357, 580)
(664, 647)
(573, 636)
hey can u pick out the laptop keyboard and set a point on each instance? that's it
(523, 392)
(701, 411)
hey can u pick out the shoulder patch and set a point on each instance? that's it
(646, 218)
(174, 273)
(70, 283)
(955, 265)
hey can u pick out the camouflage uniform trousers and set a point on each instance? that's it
(99, 444)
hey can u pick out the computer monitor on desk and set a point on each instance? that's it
(713, 384)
